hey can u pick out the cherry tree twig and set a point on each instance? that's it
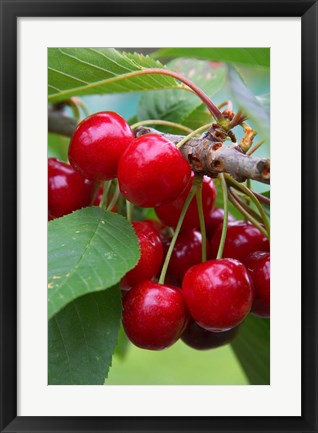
(204, 154)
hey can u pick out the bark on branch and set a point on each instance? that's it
(204, 155)
(211, 158)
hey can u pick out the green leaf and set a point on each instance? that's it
(200, 116)
(249, 104)
(89, 71)
(252, 348)
(267, 194)
(177, 105)
(89, 250)
(82, 338)
(58, 146)
(247, 56)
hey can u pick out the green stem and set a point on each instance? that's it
(262, 198)
(247, 199)
(129, 207)
(176, 233)
(249, 193)
(244, 205)
(193, 133)
(201, 219)
(95, 192)
(161, 122)
(246, 214)
(106, 189)
(225, 219)
(114, 198)
(253, 149)
(82, 105)
(74, 108)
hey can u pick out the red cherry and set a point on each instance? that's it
(214, 218)
(169, 213)
(201, 339)
(67, 189)
(155, 315)
(258, 266)
(152, 171)
(241, 239)
(97, 144)
(218, 293)
(157, 225)
(150, 255)
(187, 252)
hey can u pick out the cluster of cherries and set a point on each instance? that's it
(203, 303)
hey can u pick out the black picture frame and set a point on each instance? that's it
(10, 11)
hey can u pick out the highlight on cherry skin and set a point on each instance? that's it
(68, 190)
(98, 143)
(219, 294)
(154, 315)
(152, 171)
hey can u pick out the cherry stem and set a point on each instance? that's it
(177, 231)
(246, 214)
(249, 193)
(161, 122)
(73, 105)
(247, 199)
(114, 199)
(245, 205)
(226, 103)
(254, 148)
(192, 134)
(82, 105)
(95, 192)
(129, 208)
(106, 189)
(198, 196)
(262, 198)
(225, 218)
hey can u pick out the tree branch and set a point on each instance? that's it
(211, 158)
(204, 155)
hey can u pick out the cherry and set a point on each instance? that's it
(214, 218)
(186, 253)
(218, 293)
(157, 225)
(201, 339)
(258, 266)
(154, 315)
(67, 189)
(169, 213)
(151, 251)
(241, 239)
(152, 171)
(97, 144)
